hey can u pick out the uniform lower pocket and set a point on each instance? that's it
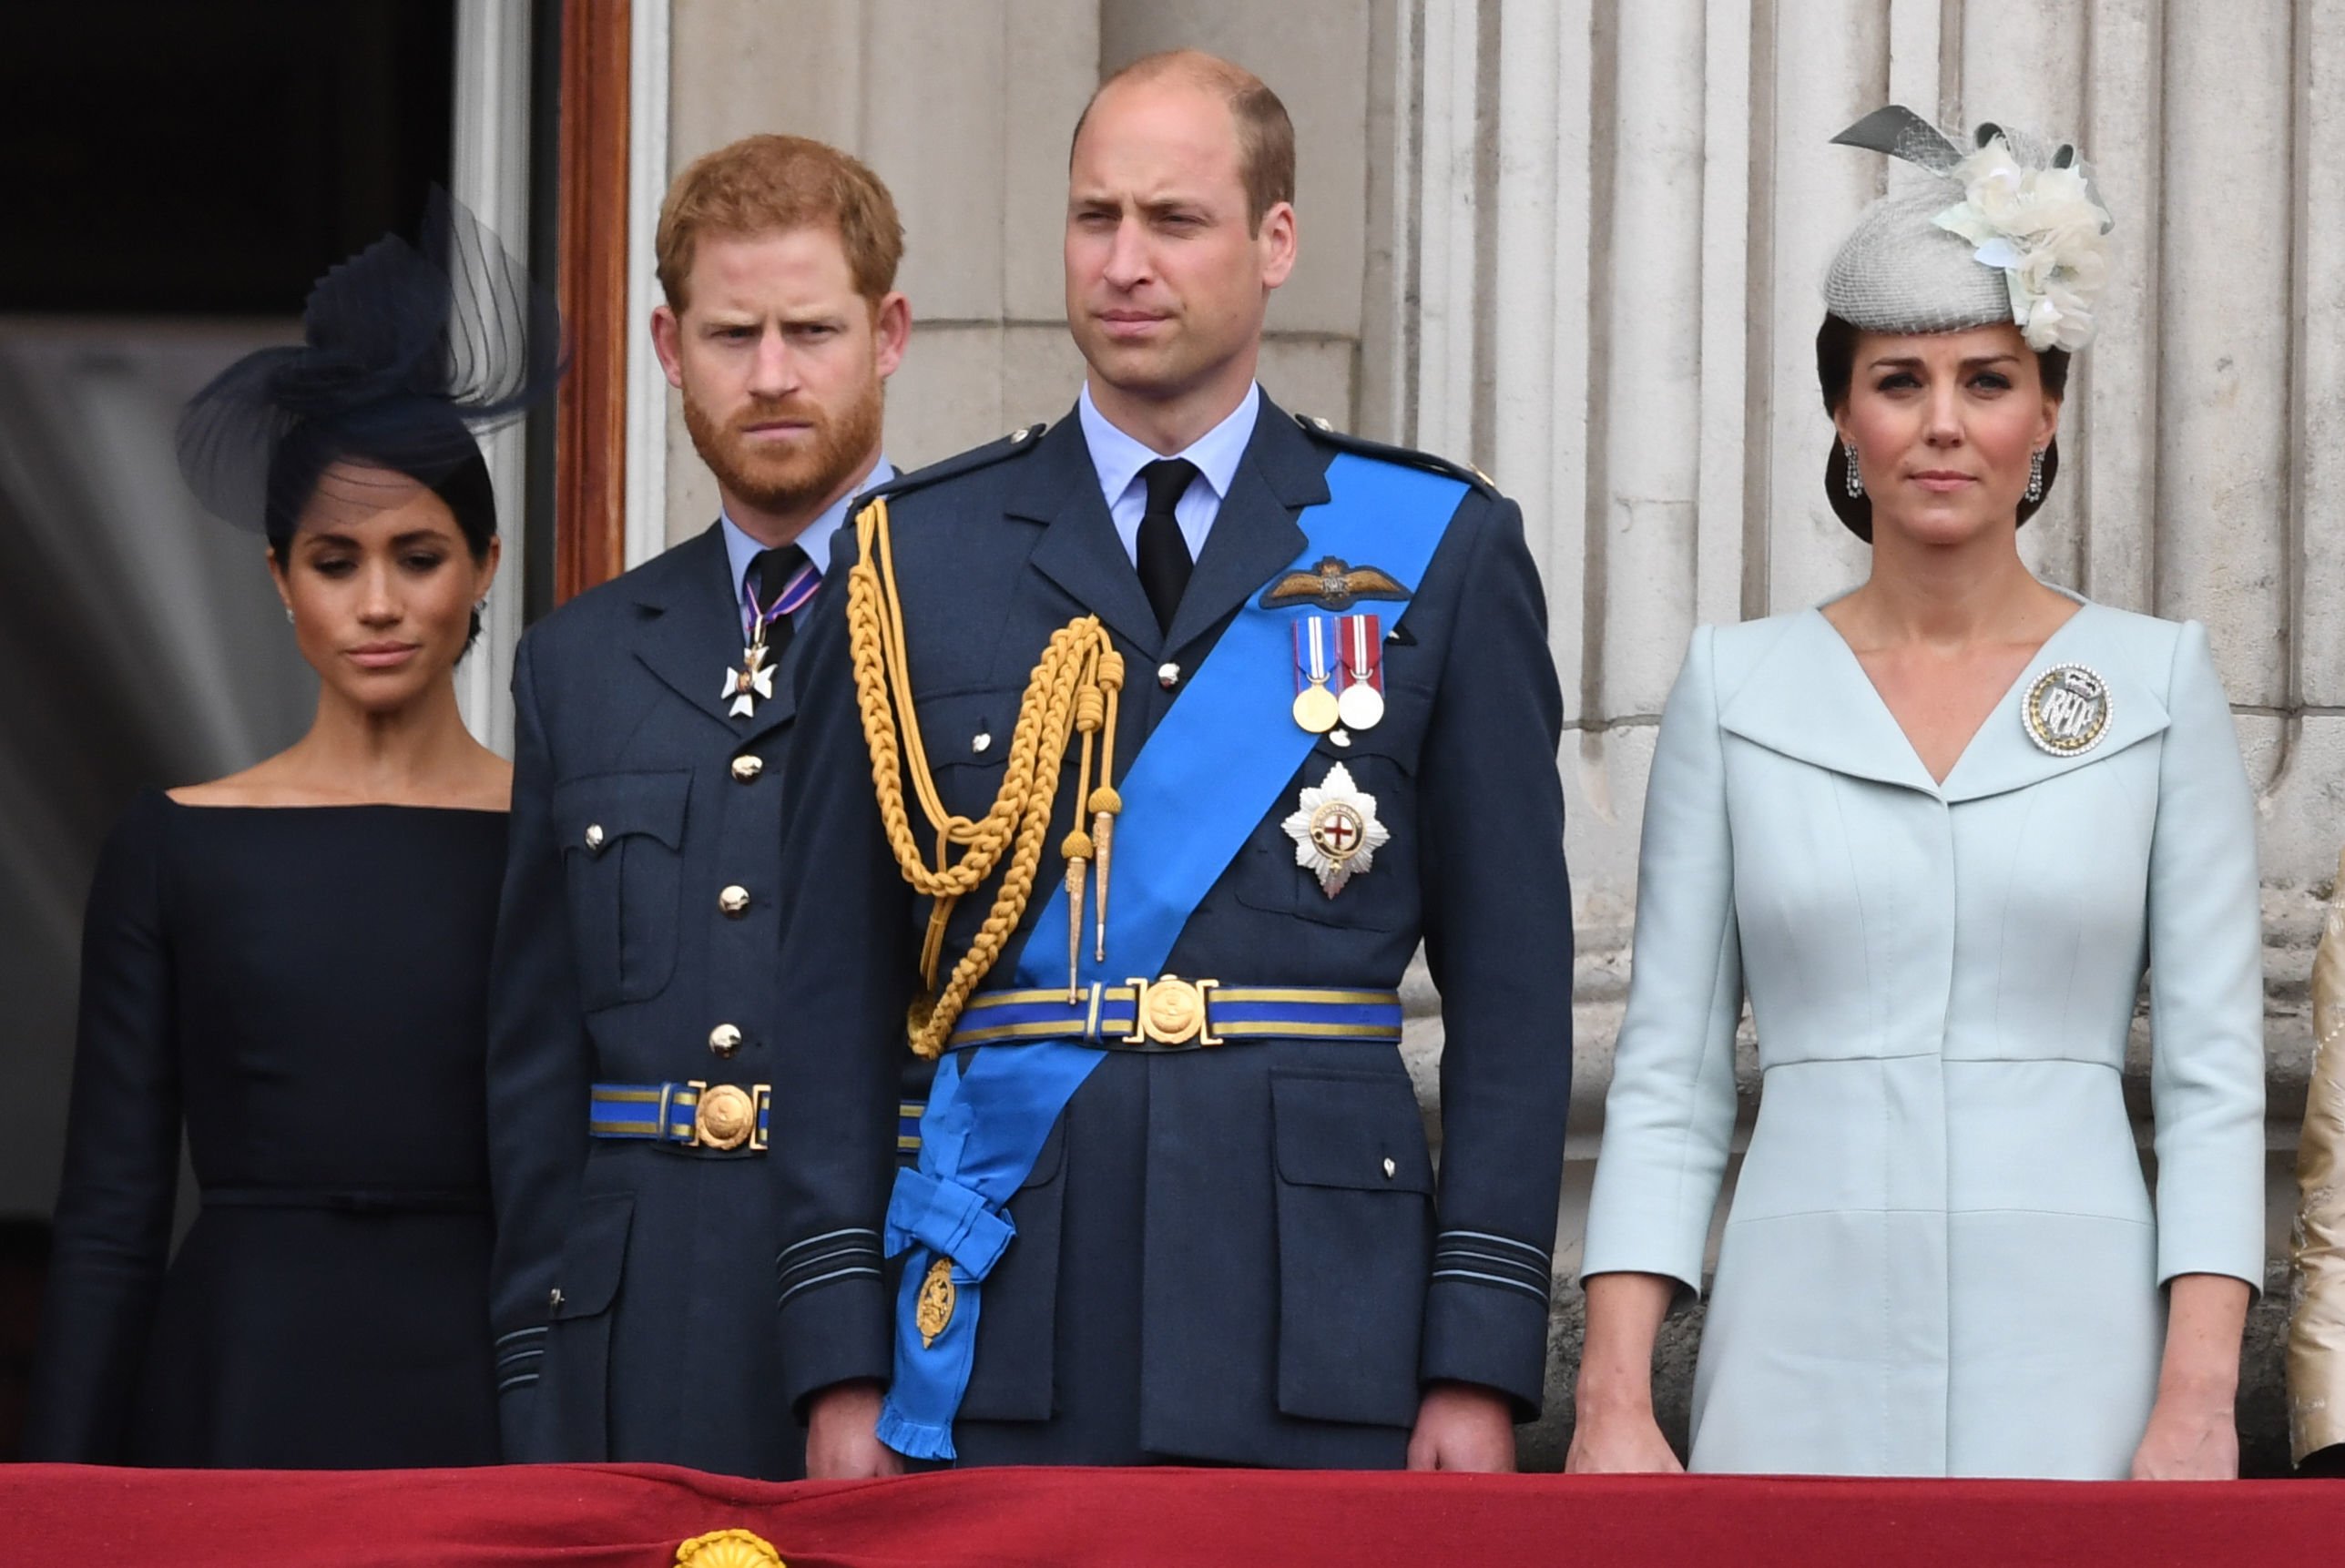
(1355, 1244)
(1017, 1352)
(576, 1384)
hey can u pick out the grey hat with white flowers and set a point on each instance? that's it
(2014, 231)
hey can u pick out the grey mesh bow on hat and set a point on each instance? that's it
(2014, 232)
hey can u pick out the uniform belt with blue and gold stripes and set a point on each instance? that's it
(714, 1118)
(1175, 1015)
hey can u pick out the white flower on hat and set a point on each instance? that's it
(2045, 231)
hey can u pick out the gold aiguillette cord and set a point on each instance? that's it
(1079, 672)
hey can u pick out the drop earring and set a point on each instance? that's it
(1855, 478)
(288, 614)
(2036, 476)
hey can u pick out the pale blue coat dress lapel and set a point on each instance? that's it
(1941, 1258)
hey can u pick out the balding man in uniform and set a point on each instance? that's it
(1294, 712)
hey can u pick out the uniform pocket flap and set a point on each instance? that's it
(968, 729)
(594, 1257)
(1387, 741)
(1355, 1132)
(602, 808)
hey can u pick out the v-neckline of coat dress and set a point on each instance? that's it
(2027, 670)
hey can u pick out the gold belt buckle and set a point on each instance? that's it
(725, 1117)
(1170, 1010)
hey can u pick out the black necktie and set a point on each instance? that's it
(1162, 554)
(769, 572)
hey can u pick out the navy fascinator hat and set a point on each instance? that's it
(408, 353)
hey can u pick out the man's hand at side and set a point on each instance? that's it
(842, 1441)
(1462, 1427)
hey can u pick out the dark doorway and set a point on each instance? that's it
(171, 159)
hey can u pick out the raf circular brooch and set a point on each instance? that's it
(2067, 710)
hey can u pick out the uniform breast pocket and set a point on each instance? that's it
(967, 738)
(622, 837)
(1369, 827)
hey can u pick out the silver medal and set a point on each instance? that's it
(2067, 710)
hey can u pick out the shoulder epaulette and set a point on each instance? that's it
(1015, 445)
(1324, 430)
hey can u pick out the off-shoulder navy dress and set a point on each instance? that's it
(303, 989)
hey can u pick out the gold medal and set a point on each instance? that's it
(932, 1312)
(1317, 709)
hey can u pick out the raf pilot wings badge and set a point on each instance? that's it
(1332, 585)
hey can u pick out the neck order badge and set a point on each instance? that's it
(1193, 796)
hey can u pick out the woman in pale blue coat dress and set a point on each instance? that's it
(1935, 830)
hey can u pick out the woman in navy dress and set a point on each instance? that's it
(289, 964)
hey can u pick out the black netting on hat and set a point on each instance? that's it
(408, 353)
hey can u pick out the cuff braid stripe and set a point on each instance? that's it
(1542, 1256)
(806, 1285)
(1536, 1294)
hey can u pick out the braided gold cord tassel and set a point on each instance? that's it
(1103, 802)
(1064, 689)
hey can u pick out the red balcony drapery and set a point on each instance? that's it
(634, 1516)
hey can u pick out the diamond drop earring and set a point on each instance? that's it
(2036, 476)
(1855, 479)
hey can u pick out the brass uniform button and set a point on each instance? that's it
(734, 901)
(724, 1040)
(594, 836)
(747, 768)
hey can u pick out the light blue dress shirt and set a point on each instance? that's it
(1118, 458)
(814, 539)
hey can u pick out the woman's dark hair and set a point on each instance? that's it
(1835, 359)
(418, 438)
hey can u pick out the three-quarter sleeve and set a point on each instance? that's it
(2205, 985)
(113, 1228)
(1670, 1115)
(2316, 1327)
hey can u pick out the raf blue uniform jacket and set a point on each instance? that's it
(631, 1294)
(1241, 1255)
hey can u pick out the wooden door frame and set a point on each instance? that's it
(591, 415)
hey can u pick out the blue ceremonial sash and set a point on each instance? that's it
(1192, 797)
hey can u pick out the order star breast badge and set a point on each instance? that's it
(1335, 830)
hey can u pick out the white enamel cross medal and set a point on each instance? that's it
(754, 679)
(1335, 831)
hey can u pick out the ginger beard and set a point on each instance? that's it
(786, 476)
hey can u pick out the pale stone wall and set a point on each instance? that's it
(966, 108)
(1579, 243)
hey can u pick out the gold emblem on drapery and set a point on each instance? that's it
(729, 1549)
